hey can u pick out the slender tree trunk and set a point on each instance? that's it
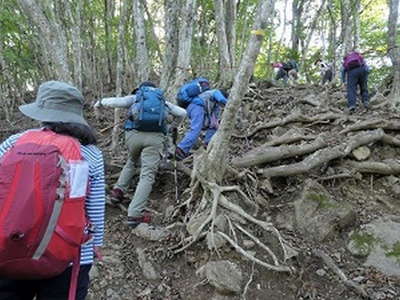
(346, 27)
(171, 8)
(74, 15)
(151, 25)
(215, 164)
(142, 54)
(52, 37)
(225, 64)
(332, 53)
(108, 39)
(230, 19)
(297, 12)
(119, 72)
(356, 22)
(185, 47)
(394, 50)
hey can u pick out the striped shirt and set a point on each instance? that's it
(95, 200)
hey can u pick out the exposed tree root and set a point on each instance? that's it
(324, 155)
(292, 136)
(373, 124)
(263, 155)
(388, 167)
(349, 283)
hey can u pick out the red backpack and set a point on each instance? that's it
(43, 185)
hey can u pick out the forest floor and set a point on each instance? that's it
(136, 267)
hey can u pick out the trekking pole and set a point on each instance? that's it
(174, 139)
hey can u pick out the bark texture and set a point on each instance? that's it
(394, 50)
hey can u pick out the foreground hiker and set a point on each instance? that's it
(203, 112)
(286, 71)
(51, 200)
(355, 74)
(145, 133)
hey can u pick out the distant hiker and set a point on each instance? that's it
(145, 133)
(203, 111)
(326, 70)
(356, 69)
(286, 71)
(51, 200)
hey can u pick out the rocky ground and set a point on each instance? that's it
(328, 181)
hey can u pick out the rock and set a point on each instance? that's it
(224, 275)
(361, 153)
(218, 241)
(380, 242)
(396, 189)
(150, 232)
(248, 244)
(112, 295)
(318, 215)
(94, 272)
(284, 221)
(221, 297)
(195, 222)
(321, 272)
(147, 267)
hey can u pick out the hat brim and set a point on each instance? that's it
(50, 115)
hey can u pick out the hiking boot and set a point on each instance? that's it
(180, 154)
(135, 221)
(116, 196)
(352, 110)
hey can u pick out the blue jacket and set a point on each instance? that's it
(213, 95)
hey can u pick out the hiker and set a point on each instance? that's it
(326, 71)
(145, 133)
(286, 71)
(356, 69)
(52, 200)
(203, 112)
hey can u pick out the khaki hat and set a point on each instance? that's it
(56, 101)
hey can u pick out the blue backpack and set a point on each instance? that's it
(148, 113)
(190, 90)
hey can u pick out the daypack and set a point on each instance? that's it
(148, 113)
(290, 65)
(43, 186)
(353, 60)
(190, 90)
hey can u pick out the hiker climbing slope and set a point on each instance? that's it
(145, 133)
(203, 111)
(326, 71)
(286, 71)
(355, 74)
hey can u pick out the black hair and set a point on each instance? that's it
(147, 83)
(83, 133)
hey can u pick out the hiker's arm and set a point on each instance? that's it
(177, 112)
(95, 202)
(343, 75)
(116, 102)
(8, 143)
(219, 97)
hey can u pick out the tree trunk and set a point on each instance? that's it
(346, 27)
(52, 38)
(74, 15)
(107, 20)
(394, 50)
(356, 22)
(142, 54)
(230, 19)
(215, 163)
(225, 63)
(185, 47)
(119, 72)
(297, 12)
(171, 8)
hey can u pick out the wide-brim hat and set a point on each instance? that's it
(56, 101)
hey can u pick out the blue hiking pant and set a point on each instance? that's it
(357, 77)
(282, 74)
(196, 114)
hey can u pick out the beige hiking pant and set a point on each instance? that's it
(143, 147)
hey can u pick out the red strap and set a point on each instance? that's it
(66, 237)
(76, 264)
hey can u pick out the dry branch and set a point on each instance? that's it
(324, 155)
(263, 155)
(373, 124)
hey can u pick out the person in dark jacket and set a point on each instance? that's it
(286, 71)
